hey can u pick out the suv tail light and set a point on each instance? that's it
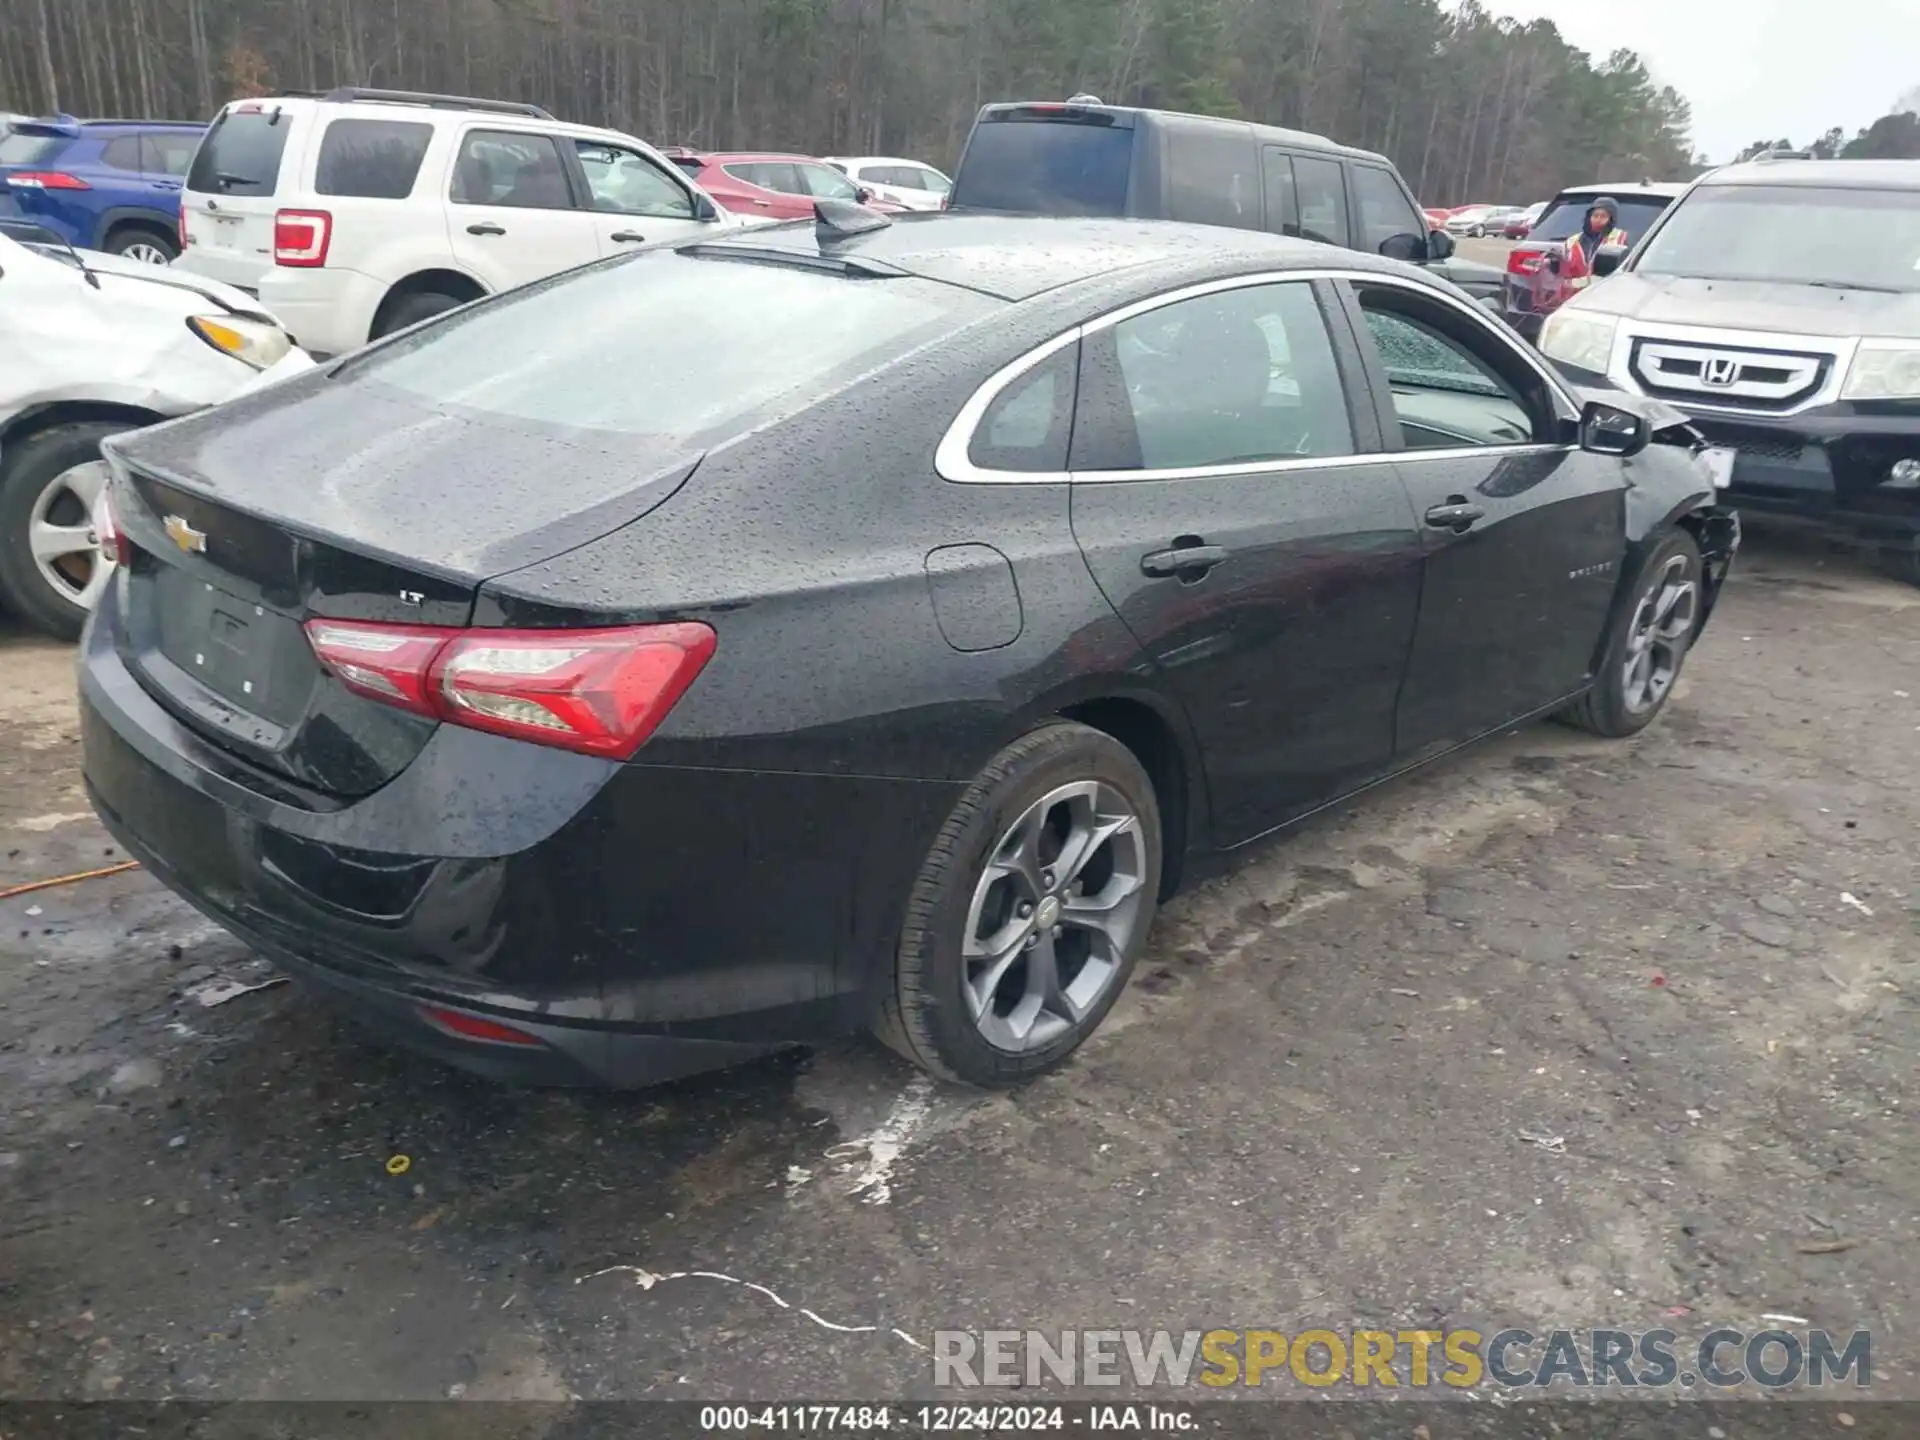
(1525, 262)
(46, 180)
(301, 237)
(599, 692)
(185, 239)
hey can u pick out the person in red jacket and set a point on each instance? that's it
(1602, 228)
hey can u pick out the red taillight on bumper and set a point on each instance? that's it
(301, 238)
(185, 239)
(600, 692)
(473, 1027)
(46, 180)
(1525, 262)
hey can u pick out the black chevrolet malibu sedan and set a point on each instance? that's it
(846, 624)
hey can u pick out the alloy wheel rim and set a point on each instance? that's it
(147, 253)
(1658, 636)
(61, 537)
(1053, 914)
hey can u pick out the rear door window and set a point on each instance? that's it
(1211, 176)
(505, 167)
(1385, 210)
(122, 153)
(169, 152)
(773, 175)
(371, 159)
(1321, 195)
(241, 153)
(1046, 167)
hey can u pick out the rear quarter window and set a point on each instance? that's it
(241, 153)
(371, 159)
(22, 148)
(1213, 177)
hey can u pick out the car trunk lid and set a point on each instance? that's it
(347, 502)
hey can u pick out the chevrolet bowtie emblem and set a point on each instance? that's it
(193, 541)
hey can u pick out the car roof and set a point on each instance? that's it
(1831, 174)
(729, 157)
(1180, 119)
(1638, 189)
(875, 160)
(1016, 257)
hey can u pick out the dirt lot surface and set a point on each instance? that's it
(1559, 1032)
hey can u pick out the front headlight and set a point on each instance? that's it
(1579, 338)
(1884, 370)
(252, 342)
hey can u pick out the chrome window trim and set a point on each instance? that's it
(951, 458)
(1627, 331)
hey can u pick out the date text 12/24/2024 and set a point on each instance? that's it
(945, 1419)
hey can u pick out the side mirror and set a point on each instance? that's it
(1607, 259)
(1440, 245)
(1409, 248)
(1607, 430)
(862, 194)
(704, 208)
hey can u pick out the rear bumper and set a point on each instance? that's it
(637, 922)
(327, 311)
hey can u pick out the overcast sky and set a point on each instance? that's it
(1755, 69)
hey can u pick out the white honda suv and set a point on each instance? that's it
(359, 212)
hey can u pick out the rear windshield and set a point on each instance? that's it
(372, 159)
(23, 148)
(669, 344)
(1568, 213)
(1045, 167)
(241, 154)
(1836, 237)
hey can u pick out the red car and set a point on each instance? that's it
(1533, 288)
(769, 186)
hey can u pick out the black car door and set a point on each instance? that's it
(1524, 531)
(1231, 499)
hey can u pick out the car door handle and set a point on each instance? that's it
(166, 184)
(763, 204)
(1456, 515)
(486, 227)
(1189, 562)
(628, 237)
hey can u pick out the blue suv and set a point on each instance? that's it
(110, 185)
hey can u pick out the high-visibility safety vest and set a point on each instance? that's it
(1576, 271)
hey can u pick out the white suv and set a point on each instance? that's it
(359, 212)
(905, 182)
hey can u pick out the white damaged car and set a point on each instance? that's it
(91, 345)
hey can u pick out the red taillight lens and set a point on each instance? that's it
(185, 239)
(112, 540)
(46, 180)
(600, 692)
(1524, 262)
(301, 237)
(472, 1027)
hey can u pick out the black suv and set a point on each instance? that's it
(1085, 158)
(1778, 304)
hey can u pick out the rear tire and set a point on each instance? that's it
(1063, 822)
(412, 309)
(45, 483)
(1648, 639)
(149, 247)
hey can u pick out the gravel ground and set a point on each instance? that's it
(1558, 1032)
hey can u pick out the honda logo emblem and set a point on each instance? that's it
(1719, 371)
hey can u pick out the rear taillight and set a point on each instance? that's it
(107, 533)
(46, 180)
(600, 692)
(185, 239)
(1524, 262)
(473, 1027)
(301, 237)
